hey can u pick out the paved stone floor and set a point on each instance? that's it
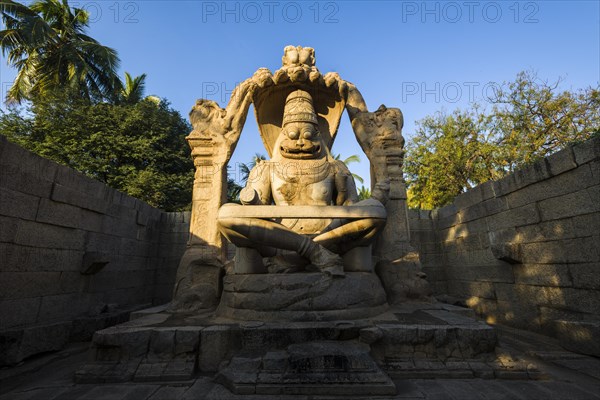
(567, 376)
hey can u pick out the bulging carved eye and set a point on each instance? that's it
(308, 133)
(293, 134)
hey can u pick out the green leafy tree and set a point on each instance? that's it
(530, 119)
(533, 118)
(47, 44)
(449, 155)
(139, 149)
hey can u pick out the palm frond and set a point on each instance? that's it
(349, 160)
(358, 178)
(50, 35)
(352, 159)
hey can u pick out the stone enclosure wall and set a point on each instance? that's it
(75, 255)
(524, 250)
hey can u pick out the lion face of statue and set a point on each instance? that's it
(390, 122)
(301, 140)
(204, 114)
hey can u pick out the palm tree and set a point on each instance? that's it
(364, 193)
(352, 159)
(233, 191)
(133, 90)
(233, 187)
(246, 168)
(47, 44)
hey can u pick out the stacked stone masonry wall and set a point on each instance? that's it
(75, 254)
(524, 250)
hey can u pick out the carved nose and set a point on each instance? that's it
(300, 142)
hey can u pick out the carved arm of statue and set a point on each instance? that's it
(222, 125)
(344, 185)
(355, 103)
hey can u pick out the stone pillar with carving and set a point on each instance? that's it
(213, 140)
(380, 135)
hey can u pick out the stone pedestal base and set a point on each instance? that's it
(302, 297)
(351, 359)
(326, 368)
(348, 358)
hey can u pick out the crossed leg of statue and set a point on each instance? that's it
(323, 251)
(267, 236)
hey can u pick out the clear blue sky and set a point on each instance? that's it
(419, 56)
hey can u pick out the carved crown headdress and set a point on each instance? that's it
(299, 108)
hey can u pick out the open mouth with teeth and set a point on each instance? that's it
(300, 152)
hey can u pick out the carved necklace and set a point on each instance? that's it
(303, 171)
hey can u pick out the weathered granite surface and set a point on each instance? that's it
(406, 340)
(527, 366)
(302, 297)
(332, 368)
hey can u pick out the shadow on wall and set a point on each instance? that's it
(199, 279)
(523, 250)
(75, 254)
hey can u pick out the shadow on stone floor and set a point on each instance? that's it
(566, 376)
